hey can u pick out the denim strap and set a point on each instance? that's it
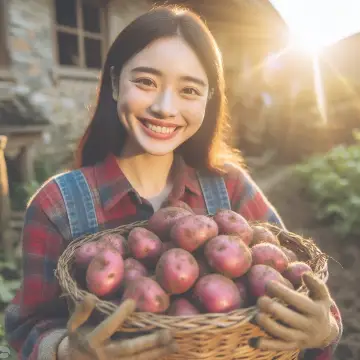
(214, 191)
(78, 202)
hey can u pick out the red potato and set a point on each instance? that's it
(269, 254)
(144, 245)
(133, 269)
(263, 235)
(117, 241)
(217, 294)
(162, 221)
(148, 295)
(292, 257)
(182, 307)
(105, 272)
(295, 271)
(191, 232)
(86, 252)
(228, 255)
(258, 277)
(242, 287)
(177, 271)
(232, 223)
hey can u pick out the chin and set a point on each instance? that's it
(158, 153)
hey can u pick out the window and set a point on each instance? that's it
(4, 53)
(80, 33)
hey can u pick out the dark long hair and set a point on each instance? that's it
(105, 134)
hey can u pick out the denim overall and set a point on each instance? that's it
(81, 210)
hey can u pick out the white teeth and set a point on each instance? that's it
(160, 129)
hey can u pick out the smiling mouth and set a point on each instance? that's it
(166, 130)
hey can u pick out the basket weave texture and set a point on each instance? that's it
(205, 336)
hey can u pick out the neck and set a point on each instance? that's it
(148, 174)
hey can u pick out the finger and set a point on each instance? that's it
(279, 331)
(318, 289)
(300, 301)
(153, 354)
(82, 312)
(272, 345)
(283, 313)
(110, 325)
(140, 344)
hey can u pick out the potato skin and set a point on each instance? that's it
(133, 269)
(105, 272)
(232, 223)
(191, 232)
(144, 245)
(271, 255)
(162, 221)
(148, 294)
(259, 275)
(228, 255)
(295, 271)
(177, 271)
(86, 252)
(217, 294)
(263, 235)
(182, 307)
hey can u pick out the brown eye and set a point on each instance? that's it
(191, 91)
(145, 82)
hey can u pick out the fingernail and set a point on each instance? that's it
(253, 342)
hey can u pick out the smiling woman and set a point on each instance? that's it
(157, 136)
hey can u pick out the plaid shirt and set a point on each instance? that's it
(36, 319)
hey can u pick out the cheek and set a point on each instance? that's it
(194, 113)
(132, 99)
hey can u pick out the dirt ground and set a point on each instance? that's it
(287, 195)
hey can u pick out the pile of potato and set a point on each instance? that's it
(187, 264)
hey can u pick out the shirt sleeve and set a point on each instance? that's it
(249, 201)
(35, 320)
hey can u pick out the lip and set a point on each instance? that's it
(158, 136)
(158, 122)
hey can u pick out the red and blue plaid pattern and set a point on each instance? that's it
(35, 321)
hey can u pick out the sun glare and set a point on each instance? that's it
(311, 45)
(315, 24)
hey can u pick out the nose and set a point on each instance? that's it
(164, 105)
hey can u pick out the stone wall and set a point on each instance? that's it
(63, 100)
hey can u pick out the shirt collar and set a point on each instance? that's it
(112, 184)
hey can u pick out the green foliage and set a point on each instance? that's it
(332, 181)
(22, 194)
(9, 281)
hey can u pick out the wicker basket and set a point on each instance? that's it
(205, 336)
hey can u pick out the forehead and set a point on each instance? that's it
(171, 56)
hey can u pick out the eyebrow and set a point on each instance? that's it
(156, 72)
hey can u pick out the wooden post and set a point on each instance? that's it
(26, 164)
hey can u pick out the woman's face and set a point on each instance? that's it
(161, 96)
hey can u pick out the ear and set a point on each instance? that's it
(114, 83)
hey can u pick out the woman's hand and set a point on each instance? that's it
(309, 325)
(95, 343)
